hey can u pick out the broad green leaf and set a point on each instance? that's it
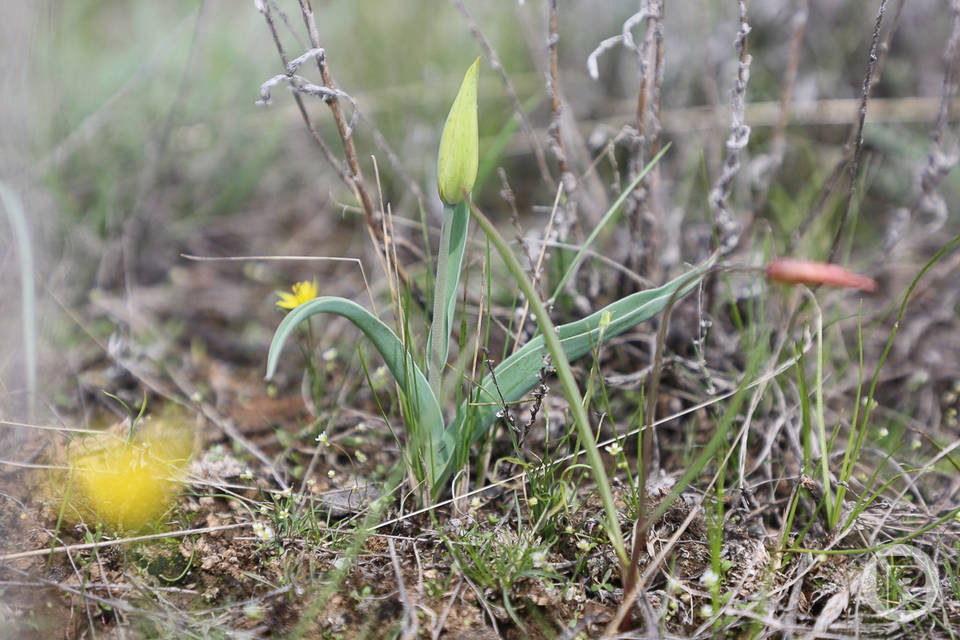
(520, 373)
(433, 444)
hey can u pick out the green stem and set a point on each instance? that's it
(832, 507)
(438, 329)
(565, 374)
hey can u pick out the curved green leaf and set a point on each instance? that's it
(433, 443)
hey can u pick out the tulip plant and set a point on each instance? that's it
(437, 448)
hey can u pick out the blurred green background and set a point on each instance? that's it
(131, 132)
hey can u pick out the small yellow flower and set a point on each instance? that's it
(302, 292)
(458, 158)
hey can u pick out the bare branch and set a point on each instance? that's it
(567, 219)
(865, 91)
(727, 226)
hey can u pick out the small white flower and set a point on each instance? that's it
(475, 503)
(263, 531)
(539, 558)
(709, 578)
(286, 492)
(706, 610)
(329, 354)
(311, 482)
(246, 475)
(331, 473)
(322, 439)
(583, 545)
(614, 449)
(883, 432)
(283, 513)
(361, 457)
(533, 501)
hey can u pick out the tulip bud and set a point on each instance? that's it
(458, 158)
(796, 271)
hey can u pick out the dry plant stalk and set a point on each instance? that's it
(646, 223)
(346, 132)
(833, 179)
(854, 167)
(727, 226)
(642, 210)
(348, 169)
(568, 219)
(940, 162)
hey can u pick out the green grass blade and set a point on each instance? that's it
(614, 208)
(435, 445)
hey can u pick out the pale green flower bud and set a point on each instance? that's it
(458, 158)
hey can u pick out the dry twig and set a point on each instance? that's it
(728, 228)
(854, 167)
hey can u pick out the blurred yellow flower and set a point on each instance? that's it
(302, 292)
(128, 484)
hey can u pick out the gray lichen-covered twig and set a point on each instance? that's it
(727, 225)
(944, 147)
(567, 218)
(641, 209)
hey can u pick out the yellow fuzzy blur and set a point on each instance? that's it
(127, 485)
